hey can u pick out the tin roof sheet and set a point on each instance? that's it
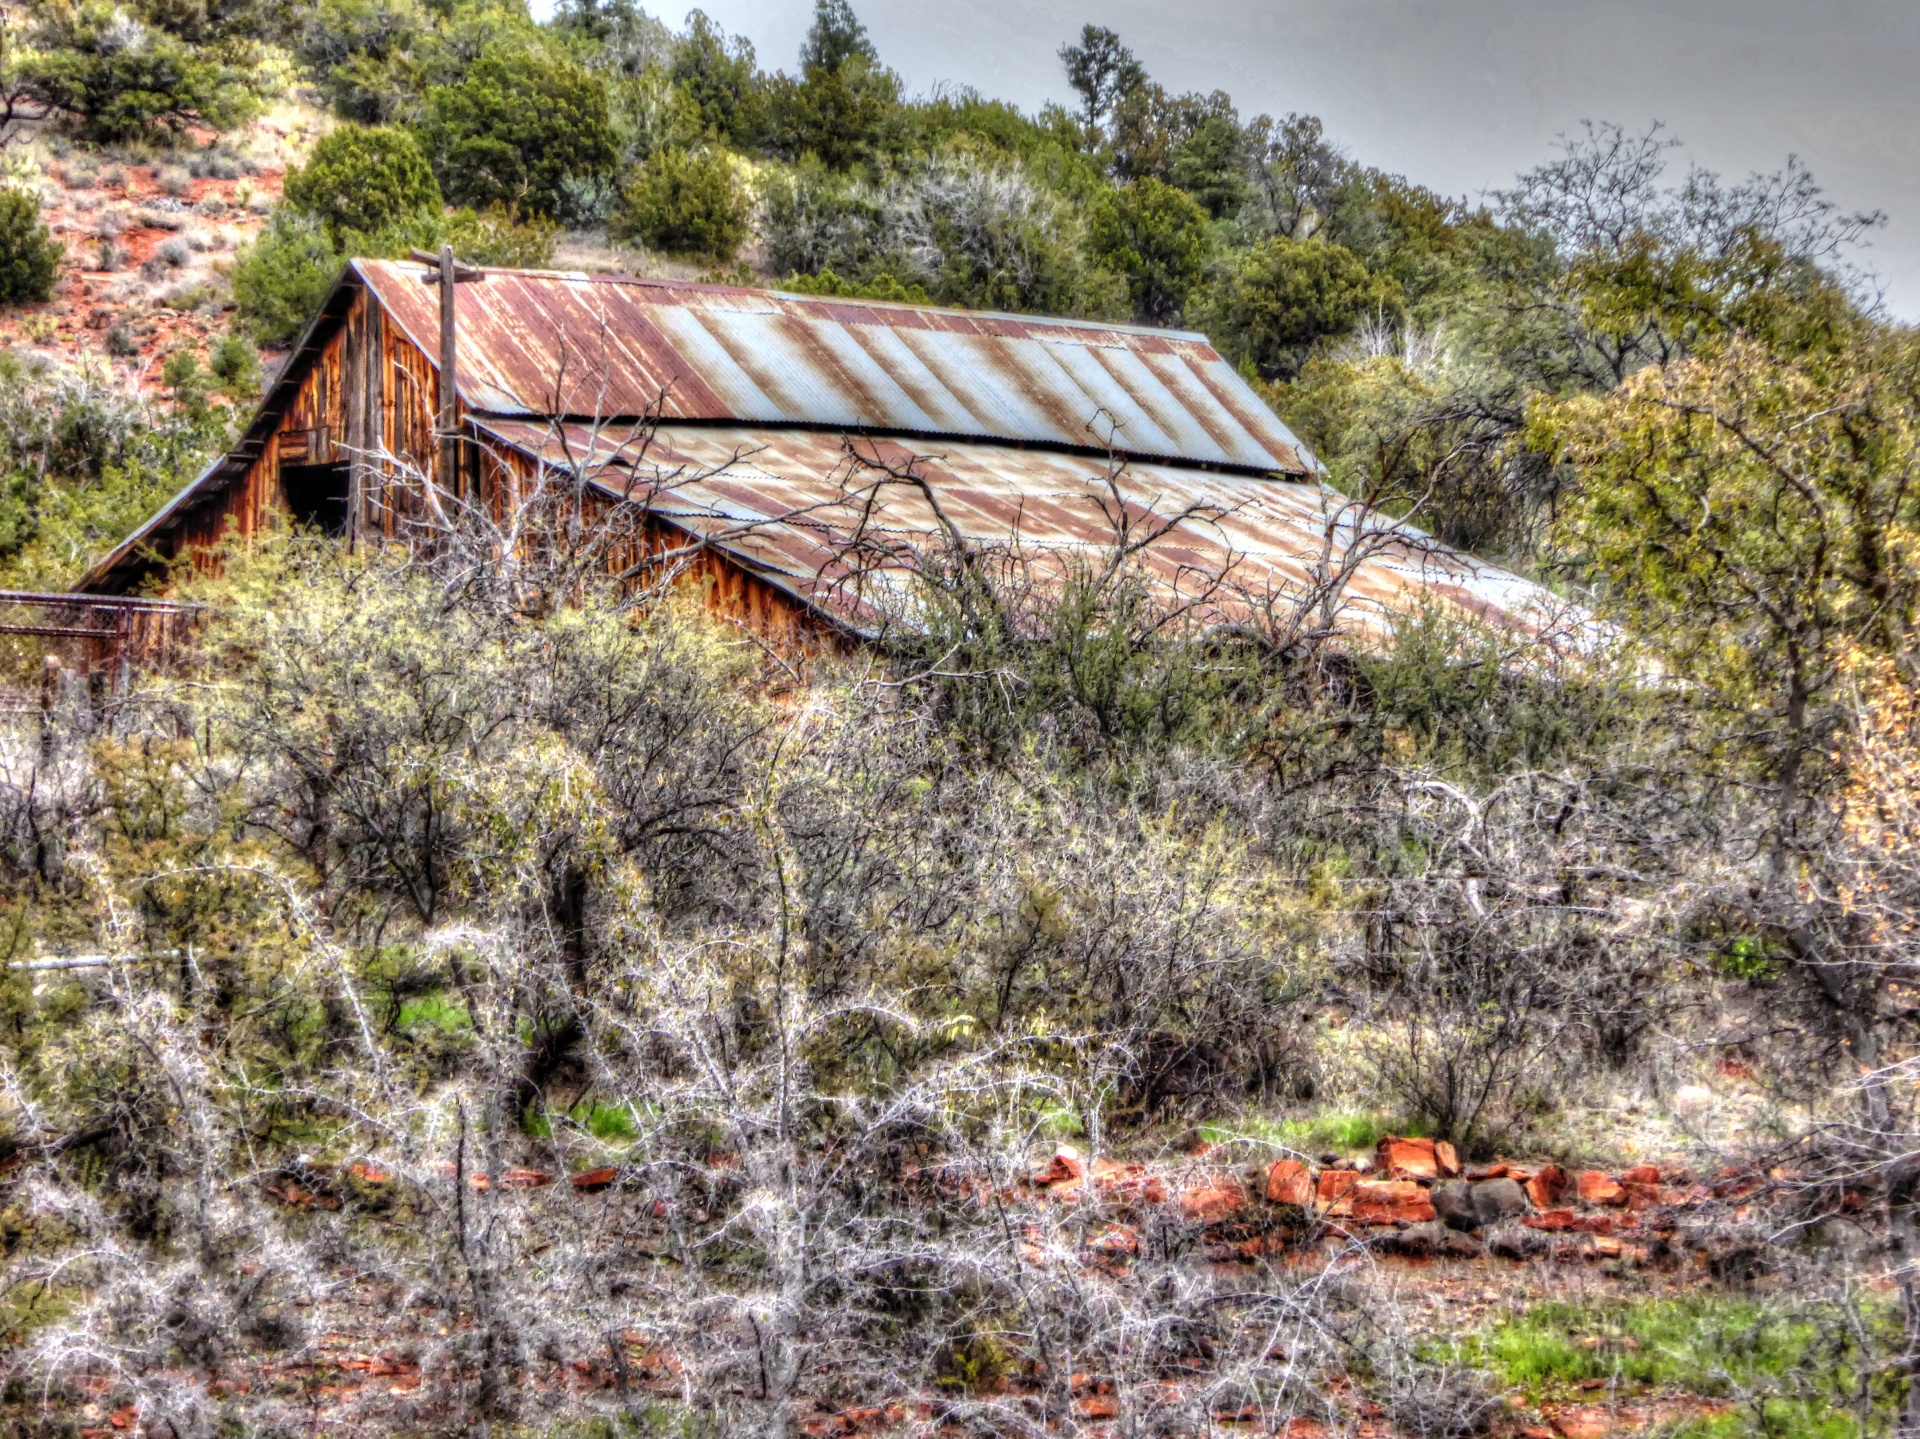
(537, 343)
(823, 516)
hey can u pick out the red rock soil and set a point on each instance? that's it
(1643, 1233)
(89, 302)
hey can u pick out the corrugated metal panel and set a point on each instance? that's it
(541, 343)
(811, 512)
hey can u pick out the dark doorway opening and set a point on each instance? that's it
(317, 496)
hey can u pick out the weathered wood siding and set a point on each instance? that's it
(730, 592)
(367, 400)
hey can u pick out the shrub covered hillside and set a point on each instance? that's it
(451, 1000)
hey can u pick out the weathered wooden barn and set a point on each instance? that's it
(749, 419)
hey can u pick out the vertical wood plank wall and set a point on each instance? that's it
(368, 394)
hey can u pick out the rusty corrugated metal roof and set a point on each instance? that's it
(814, 513)
(545, 343)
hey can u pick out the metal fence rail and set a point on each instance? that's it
(96, 634)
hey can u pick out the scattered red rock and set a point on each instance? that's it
(1210, 1201)
(293, 1195)
(1556, 1221)
(593, 1181)
(1642, 1185)
(367, 1174)
(1391, 1201)
(1591, 1422)
(1398, 1158)
(1334, 1189)
(1118, 1241)
(1598, 1187)
(1289, 1182)
(1066, 1165)
(1547, 1185)
(515, 1179)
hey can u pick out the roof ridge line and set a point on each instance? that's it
(1055, 447)
(712, 287)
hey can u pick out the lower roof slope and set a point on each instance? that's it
(841, 523)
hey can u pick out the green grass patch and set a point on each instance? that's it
(613, 1123)
(434, 1012)
(1792, 1371)
(1339, 1132)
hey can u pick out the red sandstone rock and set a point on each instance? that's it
(1289, 1182)
(1642, 1184)
(1208, 1202)
(1491, 1171)
(367, 1174)
(1598, 1187)
(1391, 1201)
(1447, 1159)
(1334, 1193)
(593, 1181)
(1408, 1159)
(515, 1179)
(1588, 1423)
(1556, 1221)
(1066, 1165)
(1545, 1188)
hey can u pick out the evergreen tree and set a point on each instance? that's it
(1101, 70)
(836, 37)
(29, 255)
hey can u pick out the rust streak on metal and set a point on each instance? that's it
(791, 506)
(794, 352)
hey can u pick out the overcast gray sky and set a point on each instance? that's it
(1461, 94)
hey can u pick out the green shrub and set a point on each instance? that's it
(358, 50)
(236, 367)
(1156, 238)
(841, 116)
(1275, 300)
(883, 286)
(364, 179)
(495, 236)
(684, 204)
(121, 81)
(82, 461)
(1211, 166)
(281, 278)
(517, 130)
(721, 81)
(187, 383)
(29, 255)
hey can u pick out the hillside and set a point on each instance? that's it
(455, 995)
